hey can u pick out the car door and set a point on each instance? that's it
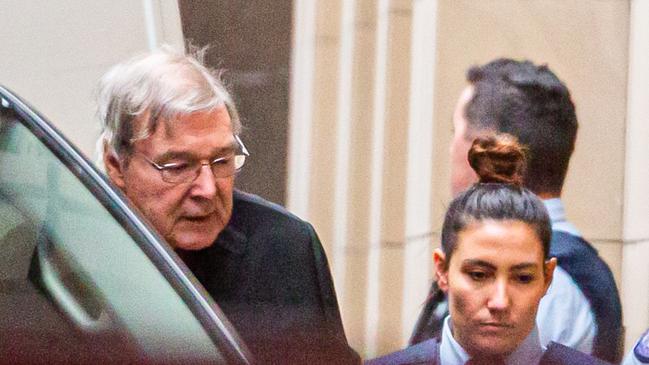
(82, 278)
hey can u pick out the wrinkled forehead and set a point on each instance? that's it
(216, 118)
(175, 124)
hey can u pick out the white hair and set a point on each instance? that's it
(134, 96)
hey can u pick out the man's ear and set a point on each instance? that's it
(550, 265)
(440, 269)
(114, 168)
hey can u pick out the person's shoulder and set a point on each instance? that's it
(253, 214)
(570, 250)
(247, 203)
(565, 314)
(422, 353)
(565, 244)
(581, 260)
(558, 354)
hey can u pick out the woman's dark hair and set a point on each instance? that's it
(499, 161)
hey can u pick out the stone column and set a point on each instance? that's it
(635, 252)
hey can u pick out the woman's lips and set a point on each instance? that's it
(495, 326)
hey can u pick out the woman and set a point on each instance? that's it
(494, 267)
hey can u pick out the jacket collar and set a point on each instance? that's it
(232, 238)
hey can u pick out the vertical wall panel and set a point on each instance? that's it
(379, 91)
(323, 132)
(635, 255)
(419, 185)
(359, 170)
(301, 107)
(371, 142)
(343, 138)
(393, 214)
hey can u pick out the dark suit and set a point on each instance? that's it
(427, 353)
(268, 272)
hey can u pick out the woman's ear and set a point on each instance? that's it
(439, 258)
(114, 168)
(548, 272)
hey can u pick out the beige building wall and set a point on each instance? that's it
(54, 52)
(361, 150)
(635, 252)
(374, 87)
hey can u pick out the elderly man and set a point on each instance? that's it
(582, 307)
(171, 144)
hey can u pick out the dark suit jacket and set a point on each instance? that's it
(269, 274)
(427, 353)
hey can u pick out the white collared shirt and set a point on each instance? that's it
(557, 214)
(451, 352)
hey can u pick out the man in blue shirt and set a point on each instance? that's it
(581, 308)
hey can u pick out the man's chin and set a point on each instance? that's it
(192, 242)
(195, 234)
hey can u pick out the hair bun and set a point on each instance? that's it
(498, 159)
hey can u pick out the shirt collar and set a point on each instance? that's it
(557, 214)
(529, 352)
(452, 353)
(231, 239)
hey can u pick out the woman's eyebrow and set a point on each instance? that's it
(478, 262)
(524, 266)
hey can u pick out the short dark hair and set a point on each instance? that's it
(499, 161)
(531, 103)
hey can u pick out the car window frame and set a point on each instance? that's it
(167, 262)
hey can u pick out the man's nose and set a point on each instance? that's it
(499, 299)
(205, 183)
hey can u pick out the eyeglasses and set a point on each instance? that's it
(188, 171)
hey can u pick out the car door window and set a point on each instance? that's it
(71, 277)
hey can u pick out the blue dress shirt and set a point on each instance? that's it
(565, 315)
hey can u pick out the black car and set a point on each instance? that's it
(83, 279)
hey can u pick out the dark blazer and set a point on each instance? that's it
(581, 261)
(427, 353)
(269, 274)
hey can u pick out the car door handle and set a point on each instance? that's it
(50, 276)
